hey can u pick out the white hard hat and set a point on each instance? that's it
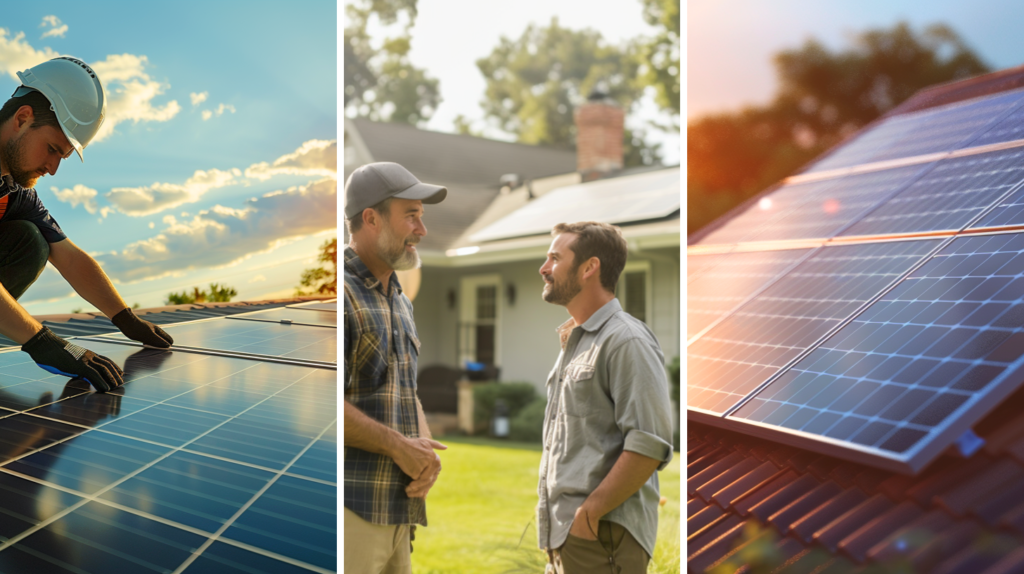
(75, 95)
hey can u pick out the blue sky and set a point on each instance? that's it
(730, 42)
(218, 158)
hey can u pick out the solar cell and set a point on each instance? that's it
(948, 197)
(255, 338)
(1009, 128)
(750, 345)
(126, 481)
(912, 366)
(728, 280)
(317, 317)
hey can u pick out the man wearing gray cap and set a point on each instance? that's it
(390, 463)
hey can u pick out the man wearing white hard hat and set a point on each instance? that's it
(57, 110)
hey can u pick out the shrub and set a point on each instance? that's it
(515, 395)
(528, 425)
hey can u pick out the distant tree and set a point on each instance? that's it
(660, 54)
(380, 82)
(321, 280)
(536, 81)
(823, 97)
(217, 293)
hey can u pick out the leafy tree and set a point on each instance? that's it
(536, 81)
(217, 293)
(824, 97)
(322, 281)
(380, 82)
(660, 55)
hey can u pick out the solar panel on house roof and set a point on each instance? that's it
(884, 351)
(728, 280)
(760, 337)
(645, 196)
(317, 306)
(198, 463)
(315, 317)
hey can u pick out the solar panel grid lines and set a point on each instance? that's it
(726, 285)
(756, 340)
(945, 128)
(305, 388)
(772, 205)
(910, 373)
(830, 210)
(947, 198)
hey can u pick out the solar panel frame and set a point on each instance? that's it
(14, 468)
(305, 317)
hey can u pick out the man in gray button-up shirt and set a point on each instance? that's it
(608, 424)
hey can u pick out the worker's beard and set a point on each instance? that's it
(561, 292)
(12, 156)
(391, 250)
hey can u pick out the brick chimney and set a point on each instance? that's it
(599, 125)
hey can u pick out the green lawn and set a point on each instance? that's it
(481, 512)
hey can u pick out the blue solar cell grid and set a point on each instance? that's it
(948, 197)
(750, 345)
(891, 380)
(737, 276)
(198, 463)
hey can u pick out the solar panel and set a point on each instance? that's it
(298, 342)
(316, 317)
(317, 306)
(763, 212)
(828, 209)
(651, 196)
(948, 197)
(929, 131)
(198, 463)
(759, 338)
(729, 279)
(913, 366)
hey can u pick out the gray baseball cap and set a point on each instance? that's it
(374, 182)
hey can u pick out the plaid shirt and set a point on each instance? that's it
(381, 348)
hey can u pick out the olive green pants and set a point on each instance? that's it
(375, 549)
(614, 552)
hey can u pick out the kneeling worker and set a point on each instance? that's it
(58, 109)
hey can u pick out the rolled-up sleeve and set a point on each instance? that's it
(639, 388)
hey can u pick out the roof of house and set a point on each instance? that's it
(754, 505)
(470, 167)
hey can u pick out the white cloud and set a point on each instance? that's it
(130, 93)
(223, 235)
(313, 158)
(56, 29)
(152, 225)
(16, 54)
(150, 199)
(78, 195)
(207, 114)
(170, 220)
(257, 279)
(198, 98)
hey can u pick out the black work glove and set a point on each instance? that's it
(141, 330)
(60, 357)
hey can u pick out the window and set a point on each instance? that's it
(634, 290)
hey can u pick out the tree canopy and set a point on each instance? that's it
(322, 280)
(380, 82)
(823, 97)
(216, 293)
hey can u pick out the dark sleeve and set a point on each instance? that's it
(25, 205)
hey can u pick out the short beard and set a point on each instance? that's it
(561, 294)
(391, 250)
(11, 155)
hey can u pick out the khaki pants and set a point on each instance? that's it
(614, 552)
(375, 549)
